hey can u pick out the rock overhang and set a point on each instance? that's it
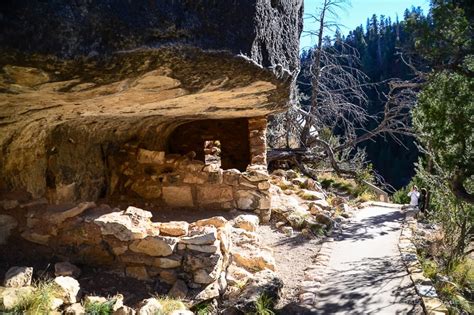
(173, 82)
(105, 73)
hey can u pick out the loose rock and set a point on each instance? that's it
(150, 307)
(247, 222)
(66, 269)
(69, 287)
(17, 277)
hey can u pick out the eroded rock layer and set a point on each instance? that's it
(79, 80)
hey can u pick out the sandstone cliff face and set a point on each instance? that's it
(79, 79)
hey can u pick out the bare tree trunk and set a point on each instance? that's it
(316, 69)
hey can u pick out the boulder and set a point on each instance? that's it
(181, 312)
(179, 290)
(17, 277)
(173, 228)
(150, 306)
(69, 288)
(154, 245)
(66, 269)
(205, 235)
(7, 224)
(247, 222)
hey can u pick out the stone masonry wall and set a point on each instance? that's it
(180, 181)
(191, 258)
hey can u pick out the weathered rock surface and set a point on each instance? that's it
(69, 287)
(75, 87)
(124, 226)
(17, 277)
(174, 228)
(247, 222)
(205, 235)
(155, 245)
(66, 269)
(150, 306)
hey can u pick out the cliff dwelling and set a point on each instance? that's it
(130, 146)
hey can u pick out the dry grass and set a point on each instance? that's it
(39, 301)
(170, 304)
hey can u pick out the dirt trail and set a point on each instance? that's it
(292, 255)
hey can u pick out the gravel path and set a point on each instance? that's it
(365, 274)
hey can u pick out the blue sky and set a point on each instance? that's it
(358, 12)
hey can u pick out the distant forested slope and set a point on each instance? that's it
(379, 44)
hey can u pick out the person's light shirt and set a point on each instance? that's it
(414, 196)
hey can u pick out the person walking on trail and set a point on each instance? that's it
(422, 200)
(414, 195)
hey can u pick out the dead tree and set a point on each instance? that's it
(334, 122)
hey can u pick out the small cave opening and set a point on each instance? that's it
(201, 136)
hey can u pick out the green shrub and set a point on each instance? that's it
(263, 305)
(202, 308)
(97, 308)
(401, 196)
